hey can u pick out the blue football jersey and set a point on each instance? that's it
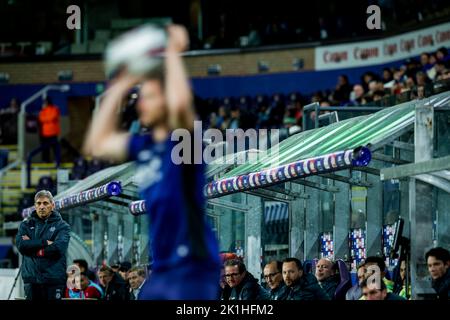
(179, 232)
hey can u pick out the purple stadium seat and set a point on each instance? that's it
(345, 283)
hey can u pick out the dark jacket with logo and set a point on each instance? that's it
(330, 284)
(442, 286)
(306, 288)
(249, 289)
(43, 263)
(279, 293)
(117, 289)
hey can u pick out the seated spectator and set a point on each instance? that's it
(342, 91)
(300, 285)
(355, 292)
(425, 62)
(378, 261)
(371, 292)
(400, 283)
(112, 284)
(327, 277)
(378, 95)
(225, 289)
(357, 95)
(88, 289)
(274, 279)
(387, 75)
(422, 79)
(136, 279)
(83, 265)
(244, 286)
(438, 261)
(123, 270)
(443, 56)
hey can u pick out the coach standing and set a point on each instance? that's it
(43, 239)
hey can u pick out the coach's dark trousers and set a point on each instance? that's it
(40, 292)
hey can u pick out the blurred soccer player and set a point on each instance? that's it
(185, 252)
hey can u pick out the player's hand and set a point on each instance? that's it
(178, 38)
(49, 242)
(25, 237)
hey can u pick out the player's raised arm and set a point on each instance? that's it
(178, 92)
(104, 140)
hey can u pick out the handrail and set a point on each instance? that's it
(357, 157)
(113, 188)
(21, 123)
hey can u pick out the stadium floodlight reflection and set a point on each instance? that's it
(358, 157)
(113, 188)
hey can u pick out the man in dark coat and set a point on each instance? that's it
(274, 279)
(243, 284)
(43, 240)
(438, 261)
(327, 277)
(113, 285)
(300, 285)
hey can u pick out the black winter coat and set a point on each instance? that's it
(43, 263)
(249, 289)
(306, 288)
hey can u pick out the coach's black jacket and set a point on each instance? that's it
(43, 263)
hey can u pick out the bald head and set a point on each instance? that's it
(324, 269)
(358, 90)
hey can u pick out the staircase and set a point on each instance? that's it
(10, 187)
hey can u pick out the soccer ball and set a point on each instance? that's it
(139, 51)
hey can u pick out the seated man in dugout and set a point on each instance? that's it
(301, 285)
(373, 291)
(274, 280)
(327, 277)
(244, 286)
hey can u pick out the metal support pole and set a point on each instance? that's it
(296, 224)
(374, 212)
(342, 214)
(21, 130)
(311, 235)
(253, 230)
(421, 203)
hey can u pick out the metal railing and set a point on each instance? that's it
(21, 132)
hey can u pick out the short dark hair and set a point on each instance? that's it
(83, 263)
(439, 253)
(278, 263)
(236, 262)
(360, 266)
(364, 284)
(297, 262)
(378, 260)
(106, 269)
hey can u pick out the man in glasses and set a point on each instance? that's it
(274, 280)
(244, 286)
